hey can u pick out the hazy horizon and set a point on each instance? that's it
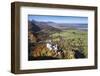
(59, 19)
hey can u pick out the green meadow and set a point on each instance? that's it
(72, 39)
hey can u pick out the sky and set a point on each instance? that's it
(59, 19)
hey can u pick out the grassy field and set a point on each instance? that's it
(72, 39)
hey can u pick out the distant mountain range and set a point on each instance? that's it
(37, 26)
(41, 27)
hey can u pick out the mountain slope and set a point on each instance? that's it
(41, 27)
